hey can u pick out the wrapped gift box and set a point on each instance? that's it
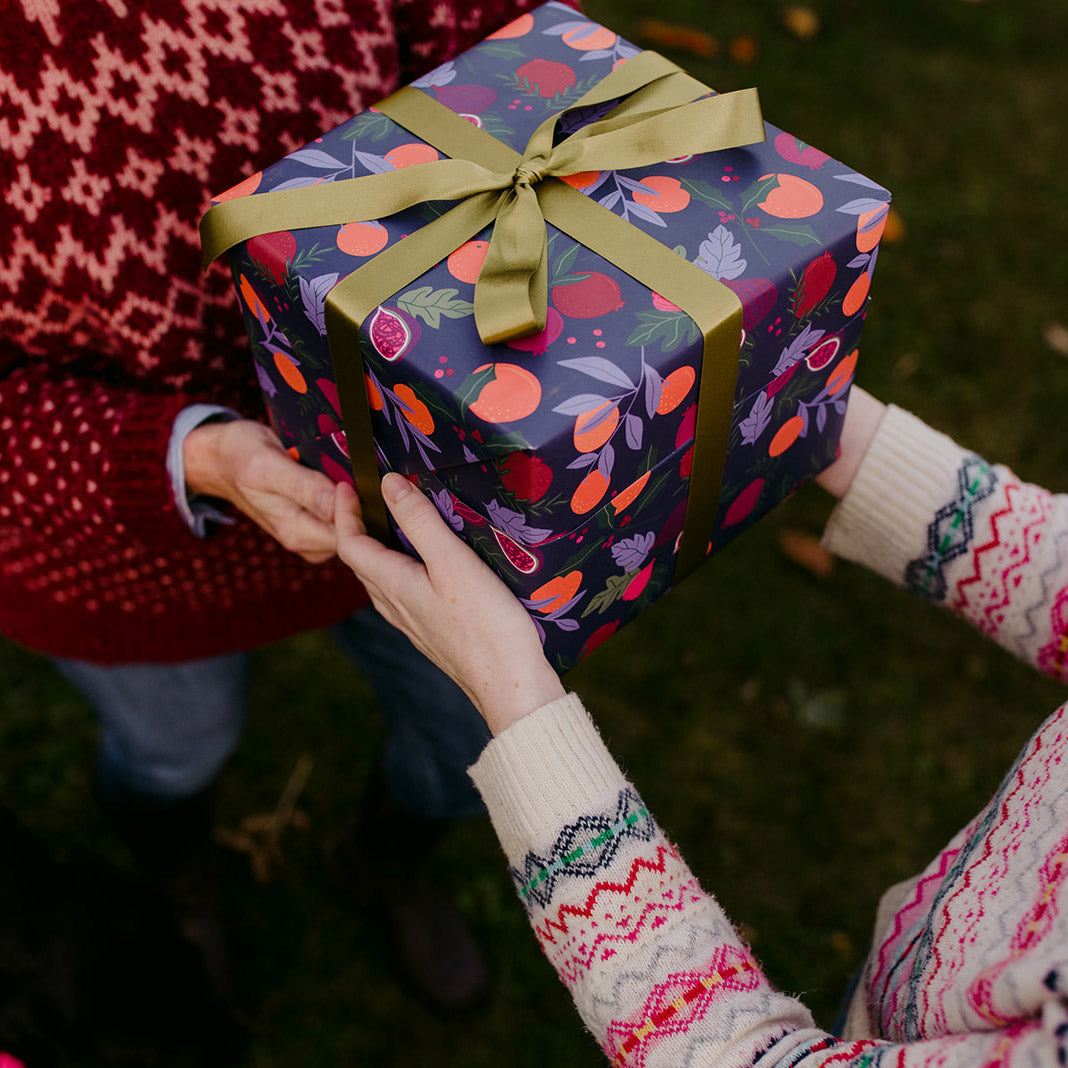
(564, 457)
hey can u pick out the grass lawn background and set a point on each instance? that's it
(806, 741)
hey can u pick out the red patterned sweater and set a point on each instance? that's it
(118, 122)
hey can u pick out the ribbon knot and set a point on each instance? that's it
(530, 172)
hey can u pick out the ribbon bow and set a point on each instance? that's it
(663, 114)
(659, 119)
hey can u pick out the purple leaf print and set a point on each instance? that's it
(578, 405)
(797, 348)
(606, 460)
(653, 384)
(858, 207)
(859, 179)
(314, 157)
(600, 368)
(634, 427)
(296, 183)
(268, 387)
(512, 524)
(438, 76)
(313, 292)
(756, 422)
(443, 499)
(720, 255)
(631, 553)
(375, 164)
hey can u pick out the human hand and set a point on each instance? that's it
(861, 422)
(244, 463)
(452, 606)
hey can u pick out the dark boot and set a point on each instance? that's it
(172, 846)
(380, 860)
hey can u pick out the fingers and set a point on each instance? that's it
(420, 521)
(311, 490)
(364, 554)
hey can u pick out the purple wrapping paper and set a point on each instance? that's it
(564, 458)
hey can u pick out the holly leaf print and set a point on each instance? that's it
(672, 330)
(795, 234)
(720, 255)
(431, 304)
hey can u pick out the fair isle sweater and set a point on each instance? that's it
(969, 965)
(118, 123)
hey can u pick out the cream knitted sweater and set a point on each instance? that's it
(970, 959)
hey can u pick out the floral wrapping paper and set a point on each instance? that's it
(564, 458)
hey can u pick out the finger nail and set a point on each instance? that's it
(395, 488)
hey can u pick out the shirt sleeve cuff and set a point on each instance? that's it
(197, 512)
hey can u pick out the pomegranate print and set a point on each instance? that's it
(593, 295)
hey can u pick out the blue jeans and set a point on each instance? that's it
(168, 729)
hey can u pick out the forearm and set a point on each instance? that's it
(656, 970)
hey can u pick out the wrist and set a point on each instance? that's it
(518, 695)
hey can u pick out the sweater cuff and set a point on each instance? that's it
(908, 473)
(538, 773)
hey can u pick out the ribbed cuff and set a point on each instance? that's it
(908, 473)
(538, 773)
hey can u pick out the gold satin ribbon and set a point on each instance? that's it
(658, 119)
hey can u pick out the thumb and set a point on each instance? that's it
(416, 516)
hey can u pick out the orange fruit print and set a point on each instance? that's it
(362, 238)
(588, 37)
(626, 497)
(605, 418)
(786, 435)
(519, 27)
(466, 262)
(841, 374)
(414, 410)
(288, 370)
(666, 195)
(791, 198)
(589, 493)
(410, 154)
(869, 234)
(560, 589)
(675, 388)
(858, 292)
(513, 393)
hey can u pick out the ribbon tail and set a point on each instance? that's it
(511, 295)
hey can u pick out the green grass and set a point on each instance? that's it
(806, 742)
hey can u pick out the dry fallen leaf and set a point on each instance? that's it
(743, 49)
(894, 233)
(805, 550)
(670, 35)
(801, 21)
(1056, 335)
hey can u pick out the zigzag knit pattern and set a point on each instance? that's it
(996, 555)
(972, 971)
(118, 122)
